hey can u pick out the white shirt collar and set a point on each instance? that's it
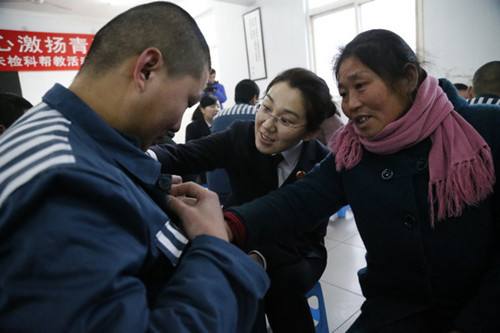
(290, 160)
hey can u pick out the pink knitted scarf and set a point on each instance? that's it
(460, 163)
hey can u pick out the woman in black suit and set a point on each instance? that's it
(287, 121)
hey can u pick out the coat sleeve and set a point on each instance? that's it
(295, 208)
(216, 288)
(481, 314)
(200, 155)
(74, 264)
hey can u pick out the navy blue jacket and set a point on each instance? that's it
(251, 175)
(218, 180)
(454, 267)
(83, 223)
(219, 92)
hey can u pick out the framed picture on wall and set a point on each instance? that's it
(255, 45)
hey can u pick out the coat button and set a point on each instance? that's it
(421, 164)
(387, 174)
(165, 182)
(300, 174)
(409, 221)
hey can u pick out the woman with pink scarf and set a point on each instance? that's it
(421, 181)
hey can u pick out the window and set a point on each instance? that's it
(333, 23)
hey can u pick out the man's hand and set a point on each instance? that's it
(198, 209)
(176, 179)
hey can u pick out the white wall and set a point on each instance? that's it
(231, 46)
(285, 45)
(460, 36)
(284, 27)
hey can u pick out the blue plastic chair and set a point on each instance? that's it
(319, 312)
(342, 211)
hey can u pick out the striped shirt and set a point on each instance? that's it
(239, 111)
(485, 99)
(37, 142)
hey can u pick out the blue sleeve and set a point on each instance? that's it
(75, 264)
(216, 288)
(221, 93)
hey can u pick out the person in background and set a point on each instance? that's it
(331, 124)
(90, 240)
(486, 84)
(246, 96)
(202, 118)
(287, 121)
(215, 88)
(463, 90)
(200, 126)
(421, 180)
(12, 107)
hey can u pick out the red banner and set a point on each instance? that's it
(42, 51)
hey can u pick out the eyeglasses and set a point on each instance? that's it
(279, 121)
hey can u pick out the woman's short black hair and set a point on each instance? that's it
(316, 95)
(205, 101)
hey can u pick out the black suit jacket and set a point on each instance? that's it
(195, 130)
(251, 175)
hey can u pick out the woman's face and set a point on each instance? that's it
(366, 100)
(273, 135)
(211, 78)
(210, 112)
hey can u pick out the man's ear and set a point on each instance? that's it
(254, 100)
(150, 61)
(2, 129)
(310, 135)
(470, 92)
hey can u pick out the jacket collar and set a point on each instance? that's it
(452, 93)
(122, 148)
